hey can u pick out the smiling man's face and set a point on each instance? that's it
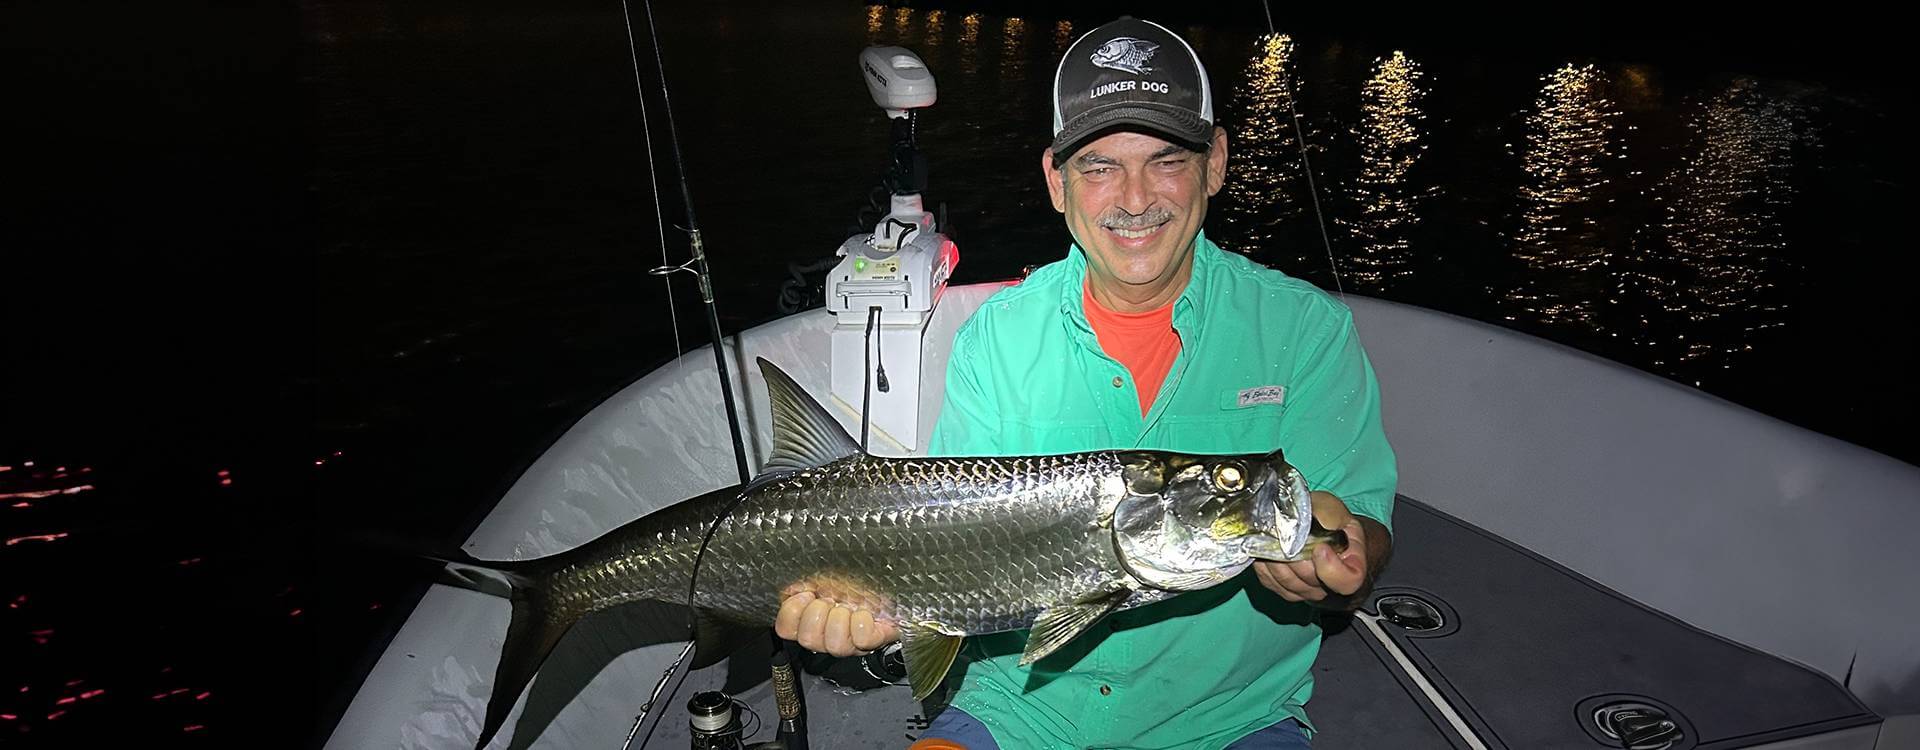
(1135, 203)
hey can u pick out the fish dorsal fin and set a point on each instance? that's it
(1063, 622)
(929, 650)
(804, 434)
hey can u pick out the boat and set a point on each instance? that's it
(1586, 555)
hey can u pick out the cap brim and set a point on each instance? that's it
(1172, 124)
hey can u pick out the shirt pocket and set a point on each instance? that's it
(1228, 427)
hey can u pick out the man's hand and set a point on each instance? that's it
(823, 626)
(1335, 580)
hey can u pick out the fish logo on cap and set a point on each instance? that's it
(1126, 54)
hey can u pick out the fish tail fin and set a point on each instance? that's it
(492, 577)
(532, 632)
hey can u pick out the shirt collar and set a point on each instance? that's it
(1186, 317)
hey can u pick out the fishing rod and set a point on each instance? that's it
(697, 264)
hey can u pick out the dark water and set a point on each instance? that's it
(284, 279)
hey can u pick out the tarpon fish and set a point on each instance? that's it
(943, 548)
(1125, 53)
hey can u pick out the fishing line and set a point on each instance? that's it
(653, 180)
(693, 626)
(1300, 139)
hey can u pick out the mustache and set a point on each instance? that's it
(1119, 218)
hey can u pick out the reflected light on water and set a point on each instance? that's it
(902, 18)
(1386, 206)
(969, 41)
(1711, 265)
(936, 26)
(876, 18)
(37, 538)
(35, 494)
(1265, 163)
(1062, 37)
(1567, 159)
(1013, 58)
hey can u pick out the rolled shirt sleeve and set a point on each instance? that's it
(1335, 436)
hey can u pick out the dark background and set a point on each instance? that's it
(205, 269)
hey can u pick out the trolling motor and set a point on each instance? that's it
(887, 282)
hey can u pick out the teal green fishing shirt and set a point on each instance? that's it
(1266, 361)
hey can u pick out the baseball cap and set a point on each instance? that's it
(1134, 75)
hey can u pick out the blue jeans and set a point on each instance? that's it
(960, 727)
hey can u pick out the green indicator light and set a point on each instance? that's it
(859, 265)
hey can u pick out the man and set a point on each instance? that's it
(1147, 335)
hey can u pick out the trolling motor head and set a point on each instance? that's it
(900, 83)
(897, 79)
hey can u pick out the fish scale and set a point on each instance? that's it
(943, 547)
(828, 519)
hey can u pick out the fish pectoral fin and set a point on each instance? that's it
(929, 651)
(1062, 623)
(715, 639)
(1190, 581)
(805, 436)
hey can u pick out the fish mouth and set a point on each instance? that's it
(1287, 540)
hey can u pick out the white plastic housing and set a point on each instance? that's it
(897, 79)
(905, 283)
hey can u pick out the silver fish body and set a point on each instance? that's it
(942, 547)
(980, 545)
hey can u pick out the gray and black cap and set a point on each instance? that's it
(1131, 75)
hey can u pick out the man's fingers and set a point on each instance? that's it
(1286, 580)
(869, 634)
(813, 625)
(839, 631)
(1306, 571)
(1343, 572)
(787, 623)
(1267, 578)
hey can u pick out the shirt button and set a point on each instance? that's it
(1104, 690)
(1117, 382)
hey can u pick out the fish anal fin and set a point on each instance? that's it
(1063, 622)
(805, 436)
(929, 650)
(715, 639)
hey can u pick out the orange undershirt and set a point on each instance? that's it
(1144, 343)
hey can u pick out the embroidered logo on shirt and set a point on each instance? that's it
(1266, 394)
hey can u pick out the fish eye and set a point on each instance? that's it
(1229, 477)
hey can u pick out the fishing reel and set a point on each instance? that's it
(713, 717)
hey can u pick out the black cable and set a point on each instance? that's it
(797, 290)
(866, 389)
